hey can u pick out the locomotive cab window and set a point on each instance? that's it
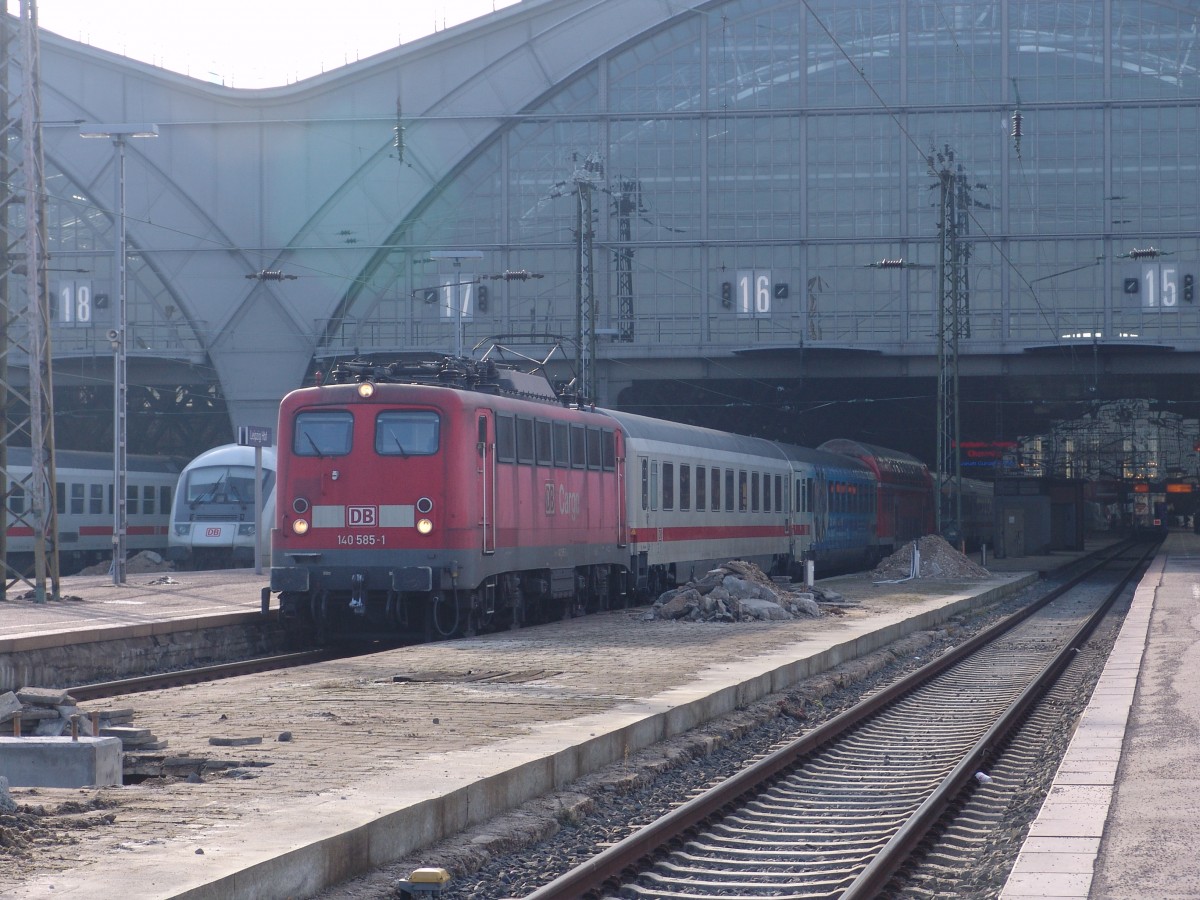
(407, 432)
(524, 440)
(578, 447)
(594, 458)
(323, 433)
(610, 450)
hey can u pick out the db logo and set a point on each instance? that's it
(362, 516)
(212, 532)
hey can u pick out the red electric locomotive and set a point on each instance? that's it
(403, 509)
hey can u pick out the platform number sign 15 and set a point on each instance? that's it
(1161, 286)
(753, 290)
(73, 303)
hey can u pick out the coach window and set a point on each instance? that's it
(408, 432)
(609, 448)
(729, 490)
(562, 446)
(743, 491)
(506, 440)
(685, 487)
(645, 484)
(715, 499)
(524, 440)
(594, 458)
(164, 497)
(16, 497)
(131, 499)
(701, 486)
(754, 492)
(668, 485)
(578, 447)
(545, 452)
(654, 484)
(76, 499)
(96, 499)
(779, 493)
(323, 433)
(148, 500)
(60, 498)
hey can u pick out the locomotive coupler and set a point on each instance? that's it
(358, 594)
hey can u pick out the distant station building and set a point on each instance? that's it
(753, 214)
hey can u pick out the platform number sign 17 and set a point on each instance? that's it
(753, 289)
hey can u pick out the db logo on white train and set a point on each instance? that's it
(362, 516)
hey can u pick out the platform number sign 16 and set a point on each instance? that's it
(73, 303)
(753, 293)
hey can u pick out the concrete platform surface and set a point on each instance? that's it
(359, 762)
(1120, 822)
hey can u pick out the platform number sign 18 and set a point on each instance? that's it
(753, 290)
(73, 303)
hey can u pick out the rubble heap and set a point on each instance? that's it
(736, 591)
(938, 560)
(48, 712)
(144, 561)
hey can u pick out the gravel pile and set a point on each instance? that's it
(938, 560)
(737, 591)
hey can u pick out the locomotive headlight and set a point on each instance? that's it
(246, 529)
(181, 530)
(424, 526)
(366, 389)
(300, 526)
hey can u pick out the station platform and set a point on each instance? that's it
(1121, 819)
(330, 769)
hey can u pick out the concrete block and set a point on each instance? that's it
(60, 762)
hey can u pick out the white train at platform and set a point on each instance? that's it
(213, 518)
(83, 498)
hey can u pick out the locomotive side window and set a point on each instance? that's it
(701, 487)
(578, 447)
(408, 432)
(716, 489)
(324, 433)
(562, 447)
(524, 440)
(729, 490)
(594, 457)
(545, 450)
(609, 448)
(506, 439)
(685, 487)
(668, 484)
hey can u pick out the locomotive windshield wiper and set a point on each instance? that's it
(317, 450)
(211, 491)
(399, 445)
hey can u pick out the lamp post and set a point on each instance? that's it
(118, 134)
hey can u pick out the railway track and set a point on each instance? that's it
(839, 811)
(159, 680)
